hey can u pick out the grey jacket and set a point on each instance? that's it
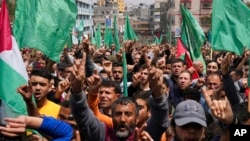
(92, 129)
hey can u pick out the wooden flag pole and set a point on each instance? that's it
(211, 53)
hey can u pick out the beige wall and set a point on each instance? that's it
(196, 8)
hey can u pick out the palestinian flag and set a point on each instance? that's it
(182, 53)
(12, 71)
(181, 49)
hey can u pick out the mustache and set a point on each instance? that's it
(122, 126)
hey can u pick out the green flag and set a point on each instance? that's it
(80, 28)
(44, 25)
(157, 41)
(116, 36)
(192, 35)
(108, 37)
(230, 30)
(69, 41)
(93, 42)
(129, 33)
(98, 37)
(168, 32)
(160, 40)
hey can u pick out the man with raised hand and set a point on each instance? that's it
(124, 111)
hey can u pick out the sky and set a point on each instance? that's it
(139, 1)
(136, 2)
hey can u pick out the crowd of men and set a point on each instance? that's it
(83, 96)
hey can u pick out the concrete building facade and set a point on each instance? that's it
(104, 13)
(85, 13)
(200, 9)
(120, 4)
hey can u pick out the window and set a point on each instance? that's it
(157, 16)
(207, 5)
(187, 4)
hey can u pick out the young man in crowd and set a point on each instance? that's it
(39, 86)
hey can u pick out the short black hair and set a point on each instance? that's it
(237, 72)
(177, 60)
(42, 72)
(241, 112)
(142, 95)
(213, 61)
(125, 101)
(215, 74)
(110, 83)
(191, 93)
(116, 64)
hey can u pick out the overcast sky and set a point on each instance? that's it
(139, 1)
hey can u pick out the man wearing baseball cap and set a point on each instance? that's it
(189, 121)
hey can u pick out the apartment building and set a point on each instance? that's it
(105, 14)
(120, 4)
(85, 13)
(200, 9)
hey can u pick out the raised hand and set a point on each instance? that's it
(141, 134)
(225, 63)
(77, 75)
(62, 87)
(155, 78)
(147, 59)
(200, 82)
(161, 62)
(136, 79)
(219, 105)
(94, 83)
(26, 92)
(85, 45)
(128, 46)
(107, 66)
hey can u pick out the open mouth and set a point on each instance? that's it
(37, 95)
(123, 128)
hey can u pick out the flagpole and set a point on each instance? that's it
(170, 30)
(211, 53)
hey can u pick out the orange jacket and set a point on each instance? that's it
(93, 101)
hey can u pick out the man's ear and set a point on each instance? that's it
(50, 85)
(185, 67)
(118, 95)
(149, 113)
